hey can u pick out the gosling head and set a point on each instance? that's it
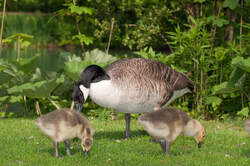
(200, 134)
(87, 140)
(86, 145)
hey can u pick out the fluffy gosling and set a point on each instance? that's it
(65, 124)
(168, 123)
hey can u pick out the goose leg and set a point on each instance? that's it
(127, 118)
(165, 145)
(56, 149)
(66, 142)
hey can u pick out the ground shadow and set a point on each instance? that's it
(246, 152)
(62, 150)
(114, 135)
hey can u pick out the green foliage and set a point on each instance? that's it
(177, 33)
(75, 66)
(232, 4)
(237, 78)
(79, 9)
(84, 39)
(21, 80)
(214, 101)
(40, 89)
(73, 69)
(20, 37)
(244, 112)
(220, 22)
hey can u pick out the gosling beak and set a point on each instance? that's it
(85, 153)
(199, 144)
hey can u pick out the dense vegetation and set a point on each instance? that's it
(207, 40)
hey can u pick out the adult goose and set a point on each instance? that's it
(131, 85)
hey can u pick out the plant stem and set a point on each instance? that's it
(110, 35)
(1, 33)
(25, 104)
(79, 33)
(38, 111)
(201, 88)
(72, 105)
(242, 100)
(241, 22)
(213, 30)
(52, 102)
(18, 49)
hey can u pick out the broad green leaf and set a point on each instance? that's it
(80, 9)
(73, 69)
(25, 44)
(224, 87)
(242, 63)
(99, 57)
(236, 76)
(232, 4)
(199, 1)
(7, 40)
(244, 112)
(28, 64)
(213, 100)
(20, 36)
(75, 66)
(84, 39)
(220, 22)
(40, 89)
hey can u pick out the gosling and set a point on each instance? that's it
(247, 126)
(168, 123)
(65, 124)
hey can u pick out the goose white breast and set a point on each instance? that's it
(105, 93)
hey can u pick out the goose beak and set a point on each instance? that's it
(78, 107)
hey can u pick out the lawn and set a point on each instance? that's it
(22, 143)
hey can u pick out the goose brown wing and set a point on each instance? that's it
(127, 71)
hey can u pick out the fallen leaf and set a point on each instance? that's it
(243, 143)
(118, 141)
(228, 155)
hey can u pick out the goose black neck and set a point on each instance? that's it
(91, 74)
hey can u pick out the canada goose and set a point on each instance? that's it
(247, 126)
(132, 85)
(168, 123)
(65, 124)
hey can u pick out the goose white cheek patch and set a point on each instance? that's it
(85, 92)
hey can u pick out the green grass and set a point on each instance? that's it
(22, 143)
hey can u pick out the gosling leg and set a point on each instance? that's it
(66, 142)
(165, 145)
(56, 149)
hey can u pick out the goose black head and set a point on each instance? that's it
(90, 74)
